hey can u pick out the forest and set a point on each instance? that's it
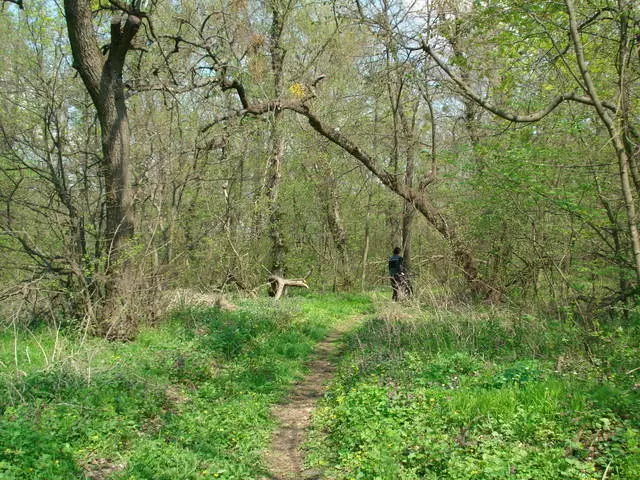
(199, 199)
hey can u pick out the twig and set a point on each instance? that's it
(44, 354)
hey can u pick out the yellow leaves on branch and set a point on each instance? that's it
(297, 90)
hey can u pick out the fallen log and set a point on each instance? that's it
(279, 285)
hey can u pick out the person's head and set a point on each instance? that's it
(396, 251)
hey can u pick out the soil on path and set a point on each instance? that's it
(285, 458)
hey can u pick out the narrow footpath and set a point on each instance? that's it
(285, 457)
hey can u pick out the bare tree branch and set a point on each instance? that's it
(517, 118)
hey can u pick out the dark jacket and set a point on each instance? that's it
(395, 265)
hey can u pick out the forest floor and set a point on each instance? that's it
(285, 456)
(188, 399)
(332, 386)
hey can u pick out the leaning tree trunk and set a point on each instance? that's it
(417, 197)
(102, 77)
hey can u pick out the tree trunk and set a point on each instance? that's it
(408, 210)
(365, 250)
(329, 194)
(276, 154)
(102, 76)
(408, 216)
(116, 167)
(274, 177)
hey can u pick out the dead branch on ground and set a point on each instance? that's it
(279, 285)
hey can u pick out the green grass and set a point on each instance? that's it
(481, 395)
(453, 395)
(185, 400)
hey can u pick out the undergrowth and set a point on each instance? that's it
(187, 400)
(481, 395)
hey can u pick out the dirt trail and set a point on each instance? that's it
(284, 458)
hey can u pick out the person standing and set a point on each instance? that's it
(396, 272)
